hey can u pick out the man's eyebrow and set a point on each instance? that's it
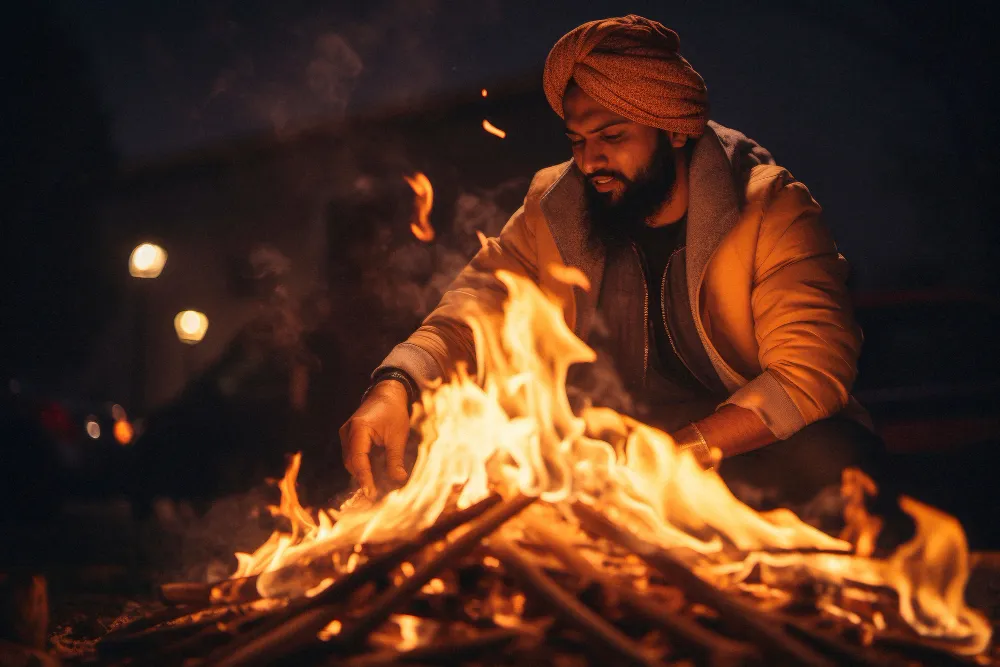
(610, 123)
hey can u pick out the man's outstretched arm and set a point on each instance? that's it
(431, 352)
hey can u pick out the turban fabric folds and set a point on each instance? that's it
(630, 65)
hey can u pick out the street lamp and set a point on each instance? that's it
(147, 260)
(190, 326)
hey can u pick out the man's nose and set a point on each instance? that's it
(594, 159)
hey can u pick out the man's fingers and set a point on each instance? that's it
(359, 443)
(394, 448)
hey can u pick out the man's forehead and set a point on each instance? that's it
(584, 114)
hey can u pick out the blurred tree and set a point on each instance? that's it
(56, 281)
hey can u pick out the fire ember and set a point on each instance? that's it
(529, 534)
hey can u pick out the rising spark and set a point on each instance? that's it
(493, 129)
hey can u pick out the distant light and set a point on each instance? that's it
(123, 432)
(190, 326)
(493, 129)
(118, 412)
(93, 428)
(484, 93)
(147, 260)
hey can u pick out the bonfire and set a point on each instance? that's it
(528, 533)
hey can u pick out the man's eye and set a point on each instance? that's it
(575, 143)
(612, 138)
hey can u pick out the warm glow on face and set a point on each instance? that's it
(423, 203)
(147, 260)
(190, 326)
(493, 129)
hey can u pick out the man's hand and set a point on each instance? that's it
(382, 419)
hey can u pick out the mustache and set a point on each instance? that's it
(601, 173)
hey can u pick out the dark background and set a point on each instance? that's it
(223, 125)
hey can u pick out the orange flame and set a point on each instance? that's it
(511, 428)
(423, 203)
(483, 92)
(493, 129)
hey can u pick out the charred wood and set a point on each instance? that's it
(742, 619)
(604, 635)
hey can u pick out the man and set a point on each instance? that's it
(721, 292)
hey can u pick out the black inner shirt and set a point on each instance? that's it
(656, 245)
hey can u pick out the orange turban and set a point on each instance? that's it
(631, 66)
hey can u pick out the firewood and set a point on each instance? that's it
(438, 653)
(604, 635)
(709, 648)
(388, 602)
(927, 651)
(377, 566)
(745, 621)
(186, 593)
(289, 635)
(844, 652)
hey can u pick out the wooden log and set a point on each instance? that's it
(438, 653)
(927, 651)
(707, 647)
(843, 652)
(747, 622)
(376, 567)
(595, 630)
(387, 603)
(290, 635)
(190, 593)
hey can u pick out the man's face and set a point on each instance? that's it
(611, 150)
(628, 167)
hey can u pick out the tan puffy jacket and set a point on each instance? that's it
(765, 280)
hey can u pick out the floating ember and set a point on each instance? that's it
(423, 203)
(493, 129)
(519, 511)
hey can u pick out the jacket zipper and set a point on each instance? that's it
(663, 309)
(645, 316)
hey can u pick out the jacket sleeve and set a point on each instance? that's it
(444, 339)
(807, 337)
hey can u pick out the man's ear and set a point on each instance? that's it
(677, 140)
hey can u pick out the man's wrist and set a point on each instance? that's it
(690, 438)
(400, 376)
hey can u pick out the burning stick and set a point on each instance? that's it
(437, 653)
(594, 628)
(424, 202)
(388, 602)
(186, 593)
(708, 647)
(741, 618)
(288, 636)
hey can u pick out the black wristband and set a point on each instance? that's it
(390, 373)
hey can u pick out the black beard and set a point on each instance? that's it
(615, 222)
